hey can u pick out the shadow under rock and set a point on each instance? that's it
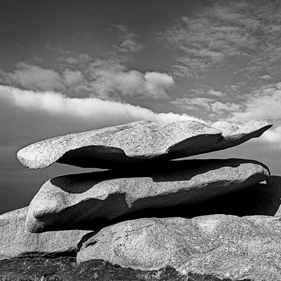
(158, 171)
(103, 156)
(259, 199)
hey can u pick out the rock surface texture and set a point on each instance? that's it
(16, 241)
(67, 201)
(137, 142)
(220, 245)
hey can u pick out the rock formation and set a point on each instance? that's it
(67, 201)
(143, 212)
(137, 141)
(224, 246)
(17, 241)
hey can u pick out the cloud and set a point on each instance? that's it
(194, 103)
(95, 111)
(72, 77)
(128, 41)
(265, 77)
(211, 106)
(204, 90)
(122, 28)
(129, 44)
(263, 103)
(216, 93)
(75, 59)
(272, 136)
(33, 77)
(111, 77)
(106, 79)
(157, 84)
(215, 33)
(219, 107)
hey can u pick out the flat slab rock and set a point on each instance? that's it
(70, 201)
(137, 142)
(16, 241)
(220, 245)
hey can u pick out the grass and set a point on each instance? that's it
(64, 268)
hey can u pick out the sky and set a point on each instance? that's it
(75, 65)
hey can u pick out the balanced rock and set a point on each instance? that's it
(68, 201)
(219, 245)
(16, 241)
(137, 142)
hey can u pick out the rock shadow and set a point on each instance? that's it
(93, 214)
(167, 171)
(259, 199)
(102, 156)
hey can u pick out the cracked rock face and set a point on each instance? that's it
(16, 241)
(220, 245)
(136, 142)
(68, 201)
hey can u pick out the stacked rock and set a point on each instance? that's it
(139, 208)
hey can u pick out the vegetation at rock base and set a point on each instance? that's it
(64, 268)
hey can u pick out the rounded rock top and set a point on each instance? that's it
(137, 142)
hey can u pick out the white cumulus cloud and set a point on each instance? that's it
(91, 109)
(219, 107)
(262, 104)
(106, 79)
(33, 77)
(128, 40)
(109, 77)
(272, 136)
